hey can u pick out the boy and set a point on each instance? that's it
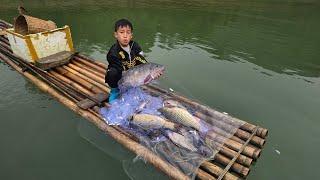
(123, 55)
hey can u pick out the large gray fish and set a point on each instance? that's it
(148, 121)
(140, 75)
(181, 116)
(180, 140)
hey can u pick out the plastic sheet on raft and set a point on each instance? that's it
(184, 159)
(186, 144)
(130, 102)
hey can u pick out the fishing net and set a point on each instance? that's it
(181, 135)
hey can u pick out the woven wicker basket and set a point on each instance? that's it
(28, 25)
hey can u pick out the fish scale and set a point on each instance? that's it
(140, 75)
(181, 116)
(180, 140)
(148, 121)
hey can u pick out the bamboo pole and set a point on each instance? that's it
(76, 85)
(87, 69)
(201, 174)
(216, 170)
(226, 130)
(226, 169)
(2, 26)
(7, 47)
(73, 95)
(71, 83)
(136, 148)
(86, 73)
(5, 23)
(103, 65)
(239, 133)
(79, 80)
(91, 65)
(248, 151)
(242, 159)
(236, 167)
(4, 39)
(103, 87)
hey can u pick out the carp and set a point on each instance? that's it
(180, 140)
(181, 116)
(148, 121)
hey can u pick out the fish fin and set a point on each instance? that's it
(147, 79)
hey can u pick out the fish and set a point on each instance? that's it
(181, 116)
(140, 75)
(148, 121)
(172, 103)
(180, 140)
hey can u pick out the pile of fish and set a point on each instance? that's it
(164, 125)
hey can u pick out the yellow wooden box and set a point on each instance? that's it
(35, 46)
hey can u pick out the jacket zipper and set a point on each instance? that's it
(130, 47)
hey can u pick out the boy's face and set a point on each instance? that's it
(123, 35)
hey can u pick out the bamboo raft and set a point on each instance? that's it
(86, 75)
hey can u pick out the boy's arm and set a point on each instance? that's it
(114, 70)
(114, 61)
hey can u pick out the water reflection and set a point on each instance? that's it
(253, 33)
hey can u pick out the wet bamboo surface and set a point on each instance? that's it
(87, 76)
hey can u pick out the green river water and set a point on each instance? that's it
(258, 60)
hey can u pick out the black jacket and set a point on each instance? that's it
(118, 58)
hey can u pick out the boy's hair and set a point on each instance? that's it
(122, 23)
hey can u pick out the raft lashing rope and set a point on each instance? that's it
(197, 140)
